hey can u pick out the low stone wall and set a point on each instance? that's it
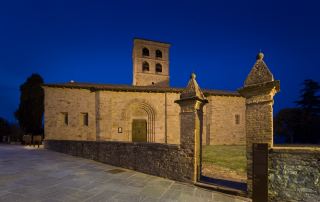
(168, 161)
(294, 174)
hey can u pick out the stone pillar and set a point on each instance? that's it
(259, 90)
(191, 102)
(102, 105)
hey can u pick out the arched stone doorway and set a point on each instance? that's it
(139, 117)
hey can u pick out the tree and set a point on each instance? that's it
(287, 122)
(31, 107)
(301, 124)
(309, 103)
(309, 99)
(4, 128)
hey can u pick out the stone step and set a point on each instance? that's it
(223, 189)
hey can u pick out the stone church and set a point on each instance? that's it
(142, 112)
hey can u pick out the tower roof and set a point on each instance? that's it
(148, 40)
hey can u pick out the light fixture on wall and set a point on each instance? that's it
(119, 129)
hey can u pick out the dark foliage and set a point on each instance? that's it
(30, 111)
(297, 126)
(309, 98)
(16, 133)
(4, 127)
(287, 122)
(301, 124)
(11, 131)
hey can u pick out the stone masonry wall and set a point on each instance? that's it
(74, 102)
(294, 174)
(168, 161)
(107, 112)
(259, 125)
(220, 127)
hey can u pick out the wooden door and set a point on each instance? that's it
(260, 173)
(139, 130)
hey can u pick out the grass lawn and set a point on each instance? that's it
(231, 157)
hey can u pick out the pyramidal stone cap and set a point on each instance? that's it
(259, 73)
(192, 90)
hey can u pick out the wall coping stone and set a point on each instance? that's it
(122, 142)
(295, 149)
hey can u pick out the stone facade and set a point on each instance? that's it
(118, 109)
(221, 126)
(294, 174)
(110, 110)
(73, 102)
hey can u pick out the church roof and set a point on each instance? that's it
(155, 89)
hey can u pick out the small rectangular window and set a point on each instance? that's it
(64, 118)
(85, 119)
(237, 119)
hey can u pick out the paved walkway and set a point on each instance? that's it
(31, 174)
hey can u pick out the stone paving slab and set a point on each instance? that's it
(32, 174)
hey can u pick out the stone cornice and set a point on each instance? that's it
(191, 104)
(261, 90)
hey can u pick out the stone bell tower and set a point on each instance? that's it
(150, 63)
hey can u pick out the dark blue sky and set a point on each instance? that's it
(91, 41)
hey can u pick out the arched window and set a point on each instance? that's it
(145, 52)
(158, 54)
(145, 66)
(158, 67)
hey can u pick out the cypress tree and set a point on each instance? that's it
(31, 107)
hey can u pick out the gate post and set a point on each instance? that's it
(191, 103)
(259, 90)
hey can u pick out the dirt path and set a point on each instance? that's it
(218, 172)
